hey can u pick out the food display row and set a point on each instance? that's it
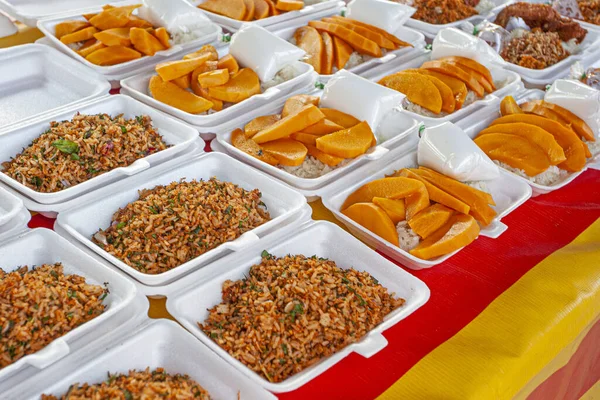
(417, 150)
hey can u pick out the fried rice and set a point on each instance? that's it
(40, 305)
(170, 225)
(441, 12)
(138, 385)
(291, 312)
(72, 152)
(535, 50)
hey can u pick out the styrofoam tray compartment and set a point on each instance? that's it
(512, 79)
(42, 246)
(83, 222)
(286, 31)
(404, 126)
(10, 206)
(175, 133)
(137, 87)
(157, 344)
(507, 191)
(36, 80)
(130, 68)
(323, 239)
(233, 25)
(478, 122)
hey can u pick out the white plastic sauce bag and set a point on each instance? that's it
(454, 42)
(447, 149)
(383, 14)
(255, 47)
(177, 16)
(578, 98)
(360, 97)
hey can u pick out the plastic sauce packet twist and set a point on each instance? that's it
(266, 54)
(578, 98)
(453, 42)
(447, 149)
(383, 14)
(178, 17)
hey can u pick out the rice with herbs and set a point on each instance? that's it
(291, 312)
(138, 385)
(72, 152)
(40, 305)
(170, 225)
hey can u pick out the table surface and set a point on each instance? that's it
(513, 317)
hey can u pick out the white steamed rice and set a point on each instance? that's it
(593, 146)
(407, 237)
(285, 74)
(312, 168)
(552, 176)
(479, 185)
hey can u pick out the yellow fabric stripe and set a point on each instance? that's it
(593, 393)
(519, 333)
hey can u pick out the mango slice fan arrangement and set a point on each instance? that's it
(202, 81)
(113, 36)
(421, 211)
(538, 140)
(250, 10)
(305, 140)
(336, 42)
(443, 86)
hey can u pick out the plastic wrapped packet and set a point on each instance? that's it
(591, 77)
(568, 8)
(454, 42)
(185, 23)
(383, 14)
(255, 47)
(368, 101)
(447, 149)
(578, 98)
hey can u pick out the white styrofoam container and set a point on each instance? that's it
(155, 344)
(233, 25)
(42, 246)
(10, 207)
(120, 71)
(178, 135)
(508, 193)
(84, 221)
(137, 87)
(512, 79)
(478, 122)
(324, 239)
(37, 80)
(286, 31)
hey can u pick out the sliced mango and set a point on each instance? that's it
(325, 158)
(214, 78)
(116, 37)
(430, 220)
(459, 231)
(323, 127)
(358, 42)
(452, 70)
(340, 118)
(515, 151)
(509, 106)
(144, 42)
(67, 27)
(137, 22)
(283, 128)
(183, 82)
(87, 50)
(416, 202)
(390, 188)
(348, 143)
(305, 138)
(163, 37)
(116, 17)
(239, 141)
(170, 70)
(209, 49)
(458, 87)
(235, 9)
(260, 123)
(379, 39)
(327, 53)
(194, 84)
(113, 55)
(289, 5)
(296, 103)
(79, 36)
(239, 87)
(288, 152)
(395, 209)
(311, 41)
(229, 63)
(417, 88)
(373, 218)
(171, 94)
(341, 52)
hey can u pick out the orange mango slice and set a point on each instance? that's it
(472, 64)
(137, 22)
(171, 94)
(287, 125)
(214, 78)
(115, 17)
(239, 87)
(305, 138)
(483, 196)
(183, 82)
(577, 124)
(536, 135)
(376, 37)
(452, 70)
(249, 16)
(144, 42)
(194, 84)
(229, 63)
(487, 86)
(390, 188)
(323, 127)
(235, 9)
(566, 138)
(358, 42)
(515, 151)
(288, 152)
(209, 49)
(458, 87)
(309, 40)
(87, 50)
(341, 52)
(239, 141)
(272, 10)
(163, 37)
(170, 70)
(340, 118)
(113, 55)
(296, 103)
(116, 37)
(416, 202)
(79, 36)
(67, 27)
(459, 231)
(448, 100)
(395, 209)
(430, 220)
(261, 9)
(348, 143)
(437, 195)
(373, 28)
(325, 158)
(260, 123)
(289, 5)
(417, 88)
(327, 54)
(373, 218)
(509, 106)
